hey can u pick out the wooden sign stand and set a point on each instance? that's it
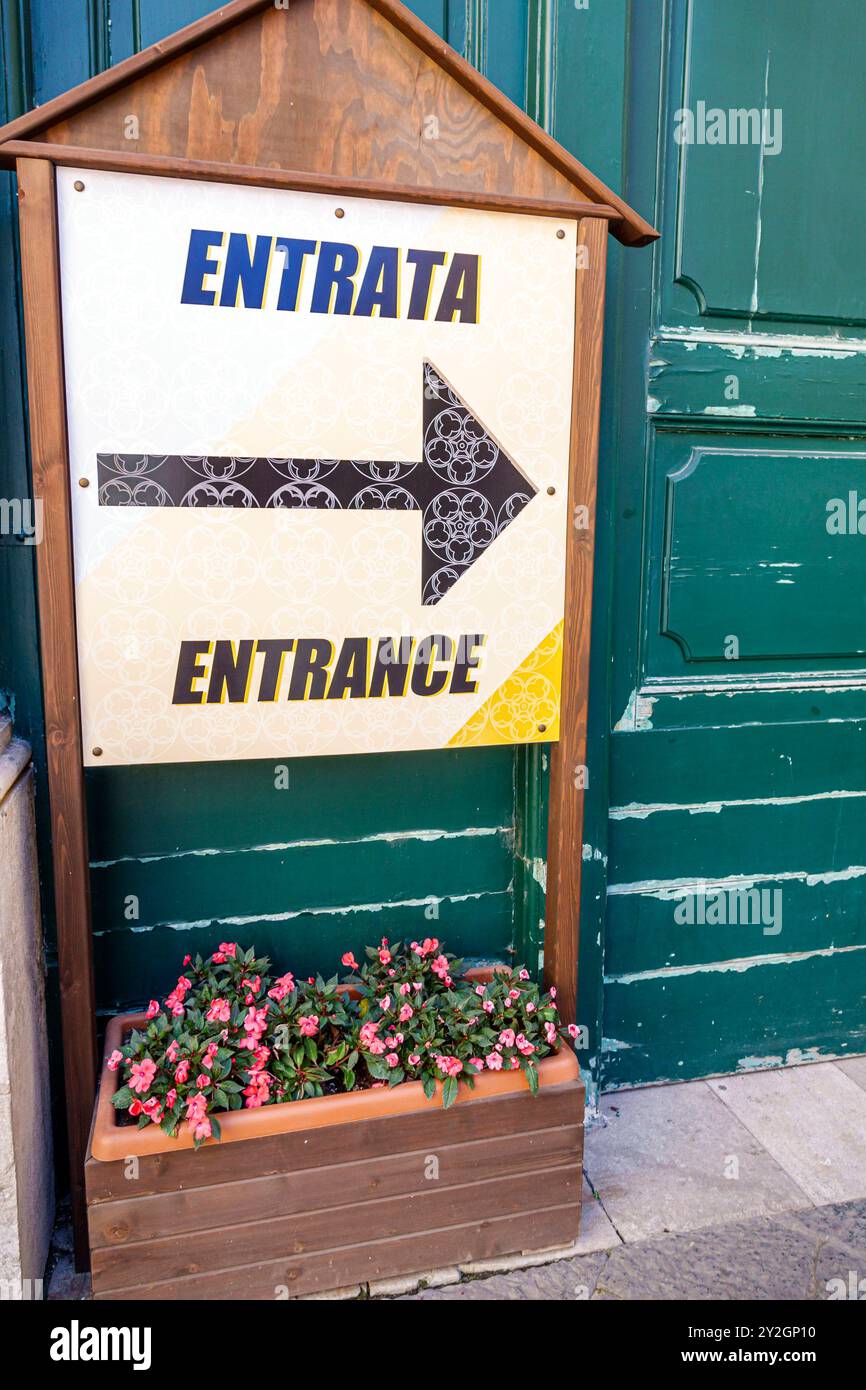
(313, 52)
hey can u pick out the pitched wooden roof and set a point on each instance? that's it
(346, 88)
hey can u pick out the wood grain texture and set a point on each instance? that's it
(167, 166)
(223, 1243)
(318, 1271)
(49, 452)
(303, 1150)
(133, 1218)
(565, 825)
(333, 86)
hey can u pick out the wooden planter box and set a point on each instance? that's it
(320, 1194)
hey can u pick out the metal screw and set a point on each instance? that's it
(84, 482)
(78, 186)
(97, 752)
(560, 235)
(542, 728)
(339, 213)
(551, 492)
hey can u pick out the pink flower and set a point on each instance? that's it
(494, 1061)
(228, 948)
(153, 1109)
(550, 1033)
(530, 1008)
(398, 1039)
(385, 1003)
(406, 1013)
(417, 985)
(182, 1071)
(202, 1129)
(477, 1063)
(202, 1080)
(429, 945)
(368, 1032)
(487, 1006)
(524, 1046)
(349, 959)
(523, 975)
(385, 957)
(573, 1030)
(142, 1074)
(405, 989)
(187, 960)
(514, 1063)
(506, 1037)
(479, 989)
(376, 1046)
(283, 986)
(309, 1025)
(513, 995)
(440, 966)
(170, 1098)
(196, 1107)
(152, 1009)
(135, 1108)
(219, 1011)
(553, 991)
(392, 1059)
(114, 1060)
(172, 1050)
(414, 1059)
(449, 1066)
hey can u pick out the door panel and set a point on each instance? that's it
(736, 930)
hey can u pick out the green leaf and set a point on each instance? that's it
(429, 1084)
(449, 1091)
(122, 1099)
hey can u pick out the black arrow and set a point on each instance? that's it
(466, 487)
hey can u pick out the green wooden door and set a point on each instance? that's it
(735, 933)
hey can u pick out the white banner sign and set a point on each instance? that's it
(319, 450)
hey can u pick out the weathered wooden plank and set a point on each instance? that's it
(772, 916)
(134, 1218)
(565, 816)
(314, 1272)
(810, 836)
(222, 1243)
(760, 1016)
(40, 273)
(127, 973)
(425, 1129)
(203, 806)
(302, 876)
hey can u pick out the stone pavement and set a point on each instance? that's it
(803, 1255)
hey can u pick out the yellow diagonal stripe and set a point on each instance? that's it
(525, 708)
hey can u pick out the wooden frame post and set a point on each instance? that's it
(565, 826)
(40, 273)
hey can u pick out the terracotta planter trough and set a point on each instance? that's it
(320, 1194)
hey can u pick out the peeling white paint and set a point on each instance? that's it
(738, 410)
(735, 967)
(384, 837)
(637, 713)
(348, 911)
(538, 869)
(615, 1045)
(794, 1057)
(637, 810)
(670, 889)
(652, 405)
(765, 344)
